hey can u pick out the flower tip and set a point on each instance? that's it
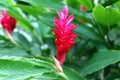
(66, 8)
(4, 12)
(65, 11)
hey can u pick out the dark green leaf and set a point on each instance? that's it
(12, 52)
(71, 74)
(100, 60)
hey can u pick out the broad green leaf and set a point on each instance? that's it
(87, 32)
(17, 68)
(100, 60)
(106, 16)
(99, 14)
(118, 4)
(2, 4)
(42, 30)
(41, 63)
(22, 40)
(46, 3)
(49, 21)
(14, 69)
(47, 59)
(74, 4)
(71, 74)
(29, 9)
(52, 5)
(50, 76)
(12, 52)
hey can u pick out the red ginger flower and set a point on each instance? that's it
(83, 8)
(8, 22)
(64, 36)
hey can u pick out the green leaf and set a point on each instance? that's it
(29, 9)
(71, 74)
(49, 21)
(22, 40)
(47, 59)
(81, 45)
(100, 60)
(74, 4)
(50, 76)
(118, 4)
(109, 2)
(2, 4)
(52, 5)
(87, 32)
(46, 3)
(87, 3)
(16, 68)
(12, 52)
(3, 38)
(99, 14)
(106, 16)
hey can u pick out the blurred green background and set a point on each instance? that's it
(95, 55)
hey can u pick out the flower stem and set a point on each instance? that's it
(12, 40)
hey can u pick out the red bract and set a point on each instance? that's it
(64, 36)
(8, 22)
(83, 8)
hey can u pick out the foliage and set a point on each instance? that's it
(95, 55)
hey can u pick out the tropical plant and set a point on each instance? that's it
(28, 32)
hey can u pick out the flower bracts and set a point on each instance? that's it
(83, 8)
(8, 22)
(63, 32)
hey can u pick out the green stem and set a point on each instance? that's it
(101, 34)
(108, 38)
(64, 76)
(101, 75)
(12, 40)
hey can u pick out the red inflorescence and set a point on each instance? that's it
(8, 22)
(83, 8)
(64, 36)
